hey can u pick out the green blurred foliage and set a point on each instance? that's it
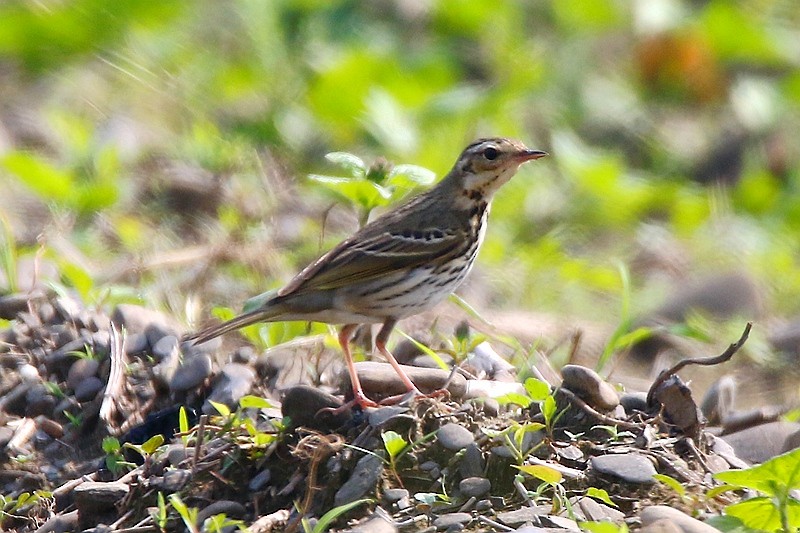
(630, 99)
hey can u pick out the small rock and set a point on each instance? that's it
(29, 374)
(452, 519)
(136, 318)
(135, 343)
(83, 368)
(472, 463)
(390, 417)
(487, 388)
(191, 373)
(374, 524)
(454, 437)
(761, 443)
(6, 434)
(523, 515)
(231, 509)
(687, 524)
(598, 512)
(381, 378)
(88, 389)
(173, 480)
(394, 495)
(13, 304)
(38, 401)
(165, 346)
(483, 506)
(474, 486)
(628, 467)
(362, 481)
(93, 496)
(486, 362)
(310, 407)
(60, 523)
(634, 401)
(718, 402)
(491, 407)
(52, 428)
(260, 480)
(590, 387)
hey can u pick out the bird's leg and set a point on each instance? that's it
(380, 344)
(358, 393)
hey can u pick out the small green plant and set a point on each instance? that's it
(220, 522)
(148, 448)
(115, 461)
(394, 444)
(367, 187)
(11, 508)
(160, 514)
(187, 514)
(777, 509)
(323, 524)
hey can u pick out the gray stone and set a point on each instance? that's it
(472, 463)
(760, 443)
(231, 509)
(389, 417)
(136, 318)
(164, 347)
(135, 343)
(233, 382)
(590, 387)
(80, 370)
(88, 389)
(60, 523)
(394, 495)
(94, 496)
(687, 524)
(474, 486)
(598, 512)
(634, 401)
(362, 481)
(311, 407)
(449, 520)
(523, 515)
(380, 378)
(454, 437)
(191, 373)
(628, 467)
(173, 480)
(374, 524)
(260, 480)
(38, 401)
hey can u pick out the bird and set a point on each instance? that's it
(401, 263)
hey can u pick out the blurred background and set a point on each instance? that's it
(160, 153)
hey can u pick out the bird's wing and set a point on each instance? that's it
(363, 258)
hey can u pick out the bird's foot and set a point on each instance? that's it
(414, 394)
(360, 399)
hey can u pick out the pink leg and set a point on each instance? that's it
(380, 344)
(358, 393)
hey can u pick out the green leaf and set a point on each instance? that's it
(221, 408)
(545, 473)
(393, 442)
(42, 178)
(603, 527)
(111, 445)
(537, 389)
(672, 483)
(600, 494)
(774, 477)
(416, 175)
(515, 398)
(761, 513)
(549, 409)
(256, 402)
(152, 444)
(336, 512)
(352, 163)
(183, 420)
(362, 192)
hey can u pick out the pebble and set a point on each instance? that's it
(304, 404)
(362, 481)
(12, 304)
(474, 486)
(634, 401)
(233, 382)
(164, 347)
(135, 343)
(60, 523)
(38, 401)
(231, 509)
(191, 373)
(173, 480)
(136, 318)
(472, 463)
(374, 524)
(381, 378)
(483, 505)
(761, 443)
(685, 523)
(394, 495)
(88, 388)
(454, 437)
(83, 368)
(95, 496)
(393, 417)
(6, 434)
(487, 388)
(718, 402)
(29, 374)
(598, 512)
(523, 515)
(590, 387)
(452, 519)
(260, 480)
(628, 467)
(52, 428)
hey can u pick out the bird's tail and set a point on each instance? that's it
(261, 314)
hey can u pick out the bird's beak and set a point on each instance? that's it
(529, 155)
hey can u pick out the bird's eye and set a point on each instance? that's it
(491, 153)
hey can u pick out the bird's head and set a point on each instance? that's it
(486, 164)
